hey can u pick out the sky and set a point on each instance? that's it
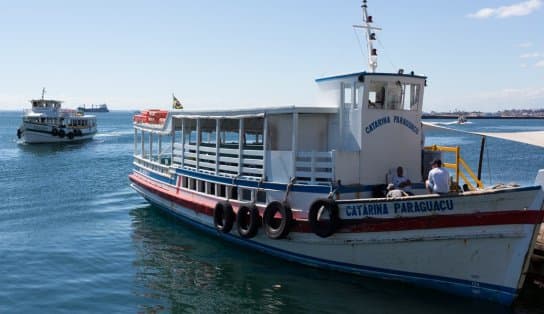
(485, 55)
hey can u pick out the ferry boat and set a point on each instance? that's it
(94, 108)
(47, 122)
(306, 184)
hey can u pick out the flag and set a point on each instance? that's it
(176, 104)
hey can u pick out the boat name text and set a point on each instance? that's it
(386, 120)
(383, 209)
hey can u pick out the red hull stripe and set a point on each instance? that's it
(512, 217)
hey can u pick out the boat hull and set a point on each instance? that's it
(38, 137)
(482, 255)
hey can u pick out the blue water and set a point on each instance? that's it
(75, 238)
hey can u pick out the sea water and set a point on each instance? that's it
(75, 238)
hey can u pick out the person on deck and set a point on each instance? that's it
(400, 181)
(439, 178)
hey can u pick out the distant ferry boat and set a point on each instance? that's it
(94, 108)
(306, 184)
(47, 122)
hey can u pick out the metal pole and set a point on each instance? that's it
(482, 147)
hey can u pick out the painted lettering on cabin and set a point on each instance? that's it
(376, 124)
(384, 209)
(407, 123)
(396, 119)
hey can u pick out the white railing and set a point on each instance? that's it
(228, 163)
(156, 166)
(315, 167)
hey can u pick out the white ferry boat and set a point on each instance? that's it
(47, 122)
(306, 184)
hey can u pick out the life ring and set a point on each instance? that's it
(19, 132)
(223, 217)
(248, 221)
(54, 132)
(70, 135)
(277, 228)
(324, 217)
(62, 133)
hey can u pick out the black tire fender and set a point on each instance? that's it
(277, 228)
(319, 210)
(223, 217)
(248, 221)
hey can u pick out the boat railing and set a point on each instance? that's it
(315, 167)
(460, 166)
(158, 166)
(220, 160)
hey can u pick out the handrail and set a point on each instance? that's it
(459, 165)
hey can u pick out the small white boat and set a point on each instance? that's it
(461, 119)
(306, 184)
(47, 122)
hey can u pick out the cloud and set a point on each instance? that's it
(531, 55)
(540, 64)
(526, 44)
(519, 9)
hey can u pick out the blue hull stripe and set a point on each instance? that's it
(504, 295)
(318, 189)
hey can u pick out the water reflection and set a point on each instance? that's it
(183, 270)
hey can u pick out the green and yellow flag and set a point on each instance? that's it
(176, 104)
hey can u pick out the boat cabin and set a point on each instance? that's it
(365, 124)
(45, 104)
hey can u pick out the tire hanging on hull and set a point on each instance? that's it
(277, 228)
(223, 217)
(324, 217)
(248, 221)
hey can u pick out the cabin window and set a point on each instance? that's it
(376, 95)
(222, 190)
(347, 95)
(246, 194)
(261, 197)
(184, 182)
(233, 193)
(394, 95)
(359, 88)
(211, 188)
(192, 184)
(200, 185)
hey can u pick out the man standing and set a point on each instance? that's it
(439, 178)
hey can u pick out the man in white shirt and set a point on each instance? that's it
(439, 178)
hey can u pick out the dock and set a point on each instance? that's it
(536, 269)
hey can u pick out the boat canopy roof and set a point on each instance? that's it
(361, 76)
(250, 112)
(535, 138)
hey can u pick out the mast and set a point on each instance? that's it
(370, 37)
(43, 92)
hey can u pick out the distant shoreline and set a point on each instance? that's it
(454, 117)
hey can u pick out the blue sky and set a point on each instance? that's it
(485, 55)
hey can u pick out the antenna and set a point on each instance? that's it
(43, 92)
(370, 37)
